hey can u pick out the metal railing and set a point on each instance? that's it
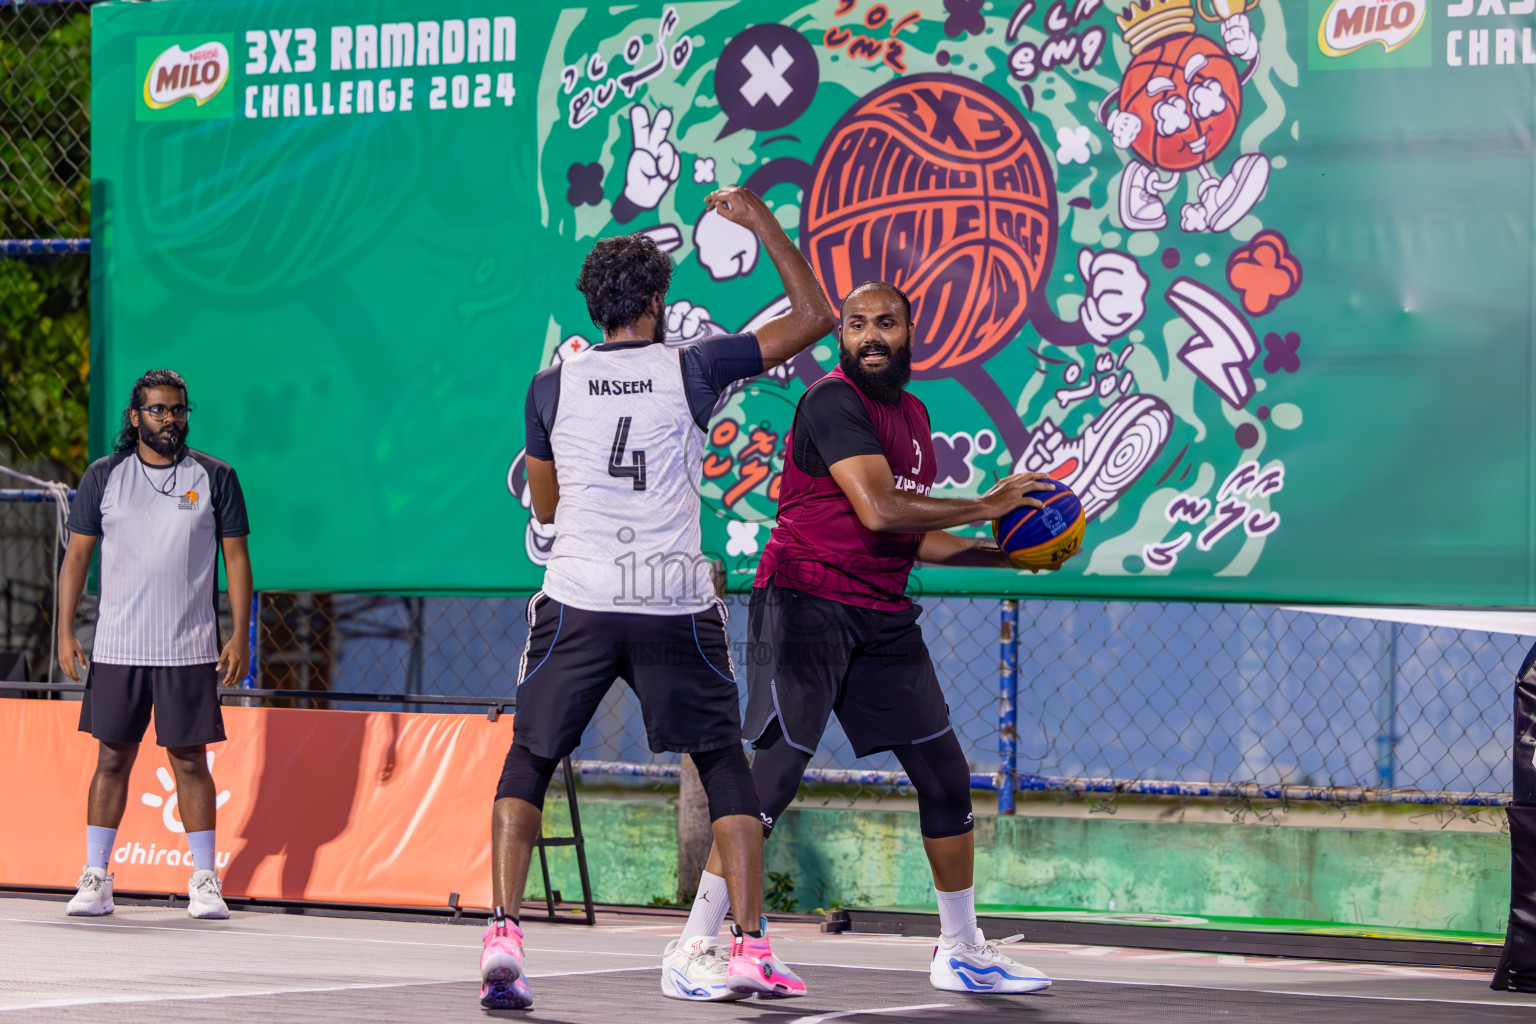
(1230, 701)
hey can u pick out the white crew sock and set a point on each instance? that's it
(98, 846)
(957, 915)
(201, 845)
(710, 905)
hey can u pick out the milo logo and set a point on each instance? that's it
(184, 79)
(1353, 35)
(1350, 25)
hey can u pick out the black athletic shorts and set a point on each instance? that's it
(678, 665)
(809, 656)
(185, 699)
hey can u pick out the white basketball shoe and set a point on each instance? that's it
(205, 897)
(979, 967)
(696, 970)
(94, 897)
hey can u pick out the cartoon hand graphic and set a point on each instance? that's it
(653, 163)
(727, 249)
(687, 322)
(1238, 33)
(1116, 296)
(1124, 128)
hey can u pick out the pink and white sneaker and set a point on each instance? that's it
(502, 985)
(754, 970)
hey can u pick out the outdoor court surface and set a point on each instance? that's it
(148, 963)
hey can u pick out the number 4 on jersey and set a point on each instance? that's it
(616, 465)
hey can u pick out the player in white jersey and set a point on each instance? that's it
(615, 446)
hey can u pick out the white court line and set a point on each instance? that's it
(294, 991)
(860, 1013)
(225, 995)
(1232, 989)
(216, 930)
(203, 932)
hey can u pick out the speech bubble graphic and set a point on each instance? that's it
(765, 78)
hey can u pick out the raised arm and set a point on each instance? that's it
(810, 315)
(871, 489)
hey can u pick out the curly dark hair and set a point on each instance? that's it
(128, 436)
(877, 286)
(621, 277)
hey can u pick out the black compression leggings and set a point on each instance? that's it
(937, 767)
(724, 773)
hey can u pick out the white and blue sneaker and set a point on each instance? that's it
(696, 970)
(979, 967)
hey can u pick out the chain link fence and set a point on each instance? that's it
(1111, 695)
(1154, 697)
(45, 61)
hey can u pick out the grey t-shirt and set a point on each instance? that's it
(160, 528)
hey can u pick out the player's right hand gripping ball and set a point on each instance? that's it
(1039, 538)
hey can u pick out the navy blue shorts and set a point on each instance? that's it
(809, 656)
(184, 699)
(678, 665)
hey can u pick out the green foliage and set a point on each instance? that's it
(45, 82)
(45, 64)
(778, 897)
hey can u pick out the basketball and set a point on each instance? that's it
(938, 185)
(1038, 538)
(1200, 139)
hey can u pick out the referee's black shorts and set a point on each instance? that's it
(184, 698)
(678, 665)
(809, 656)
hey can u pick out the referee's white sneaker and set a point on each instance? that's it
(979, 967)
(205, 897)
(94, 897)
(696, 970)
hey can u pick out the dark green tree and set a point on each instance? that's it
(45, 65)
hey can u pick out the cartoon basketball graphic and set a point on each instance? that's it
(1178, 108)
(1173, 137)
(938, 185)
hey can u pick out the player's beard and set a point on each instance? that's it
(882, 385)
(167, 440)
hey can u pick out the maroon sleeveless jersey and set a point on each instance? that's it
(819, 545)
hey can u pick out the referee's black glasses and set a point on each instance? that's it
(160, 412)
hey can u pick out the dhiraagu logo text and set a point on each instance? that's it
(184, 77)
(1357, 34)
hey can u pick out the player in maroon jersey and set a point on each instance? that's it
(831, 627)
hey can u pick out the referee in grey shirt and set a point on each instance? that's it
(161, 511)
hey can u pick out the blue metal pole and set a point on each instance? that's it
(1007, 709)
(254, 669)
(1386, 739)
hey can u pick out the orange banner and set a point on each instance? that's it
(337, 806)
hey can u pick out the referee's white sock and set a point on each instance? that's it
(98, 845)
(957, 915)
(710, 905)
(201, 845)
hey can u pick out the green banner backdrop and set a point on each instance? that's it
(1253, 277)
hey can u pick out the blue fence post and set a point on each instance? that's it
(1386, 739)
(1007, 703)
(253, 671)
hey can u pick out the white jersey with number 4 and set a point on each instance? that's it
(624, 424)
